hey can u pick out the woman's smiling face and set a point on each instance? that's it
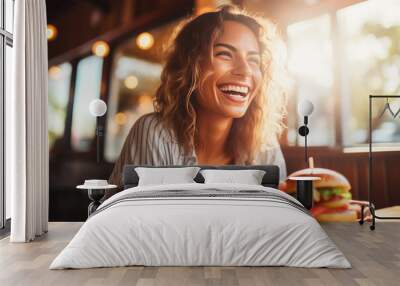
(233, 77)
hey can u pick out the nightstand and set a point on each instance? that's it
(96, 193)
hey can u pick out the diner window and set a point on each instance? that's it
(311, 66)
(137, 67)
(371, 43)
(59, 87)
(87, 88)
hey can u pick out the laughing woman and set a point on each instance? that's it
(221, 98)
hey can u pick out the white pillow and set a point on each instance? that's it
(163, 176)
(249, 177)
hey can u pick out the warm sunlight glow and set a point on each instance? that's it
(101, 49)
(51, 32)
(131, 82)
(145, 41)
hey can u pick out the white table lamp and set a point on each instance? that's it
(98, 108)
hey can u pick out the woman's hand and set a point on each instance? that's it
(357, 206)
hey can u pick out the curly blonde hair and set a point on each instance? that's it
(192, 43)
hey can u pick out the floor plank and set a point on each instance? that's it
(375, 257)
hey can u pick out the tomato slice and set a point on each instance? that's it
(318, 210)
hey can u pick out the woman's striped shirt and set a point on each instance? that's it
(149, 142)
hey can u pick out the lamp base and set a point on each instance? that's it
(303, 130)
(304, 193)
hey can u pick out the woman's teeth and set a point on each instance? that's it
(234, 88)
(234, 92)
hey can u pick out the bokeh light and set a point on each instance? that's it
(101, 49)
(120, 118)
(131, 82)
(55, 72)
(145, 41)
(51, 32)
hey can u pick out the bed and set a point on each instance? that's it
(198, 224)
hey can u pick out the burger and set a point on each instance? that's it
(331, 195)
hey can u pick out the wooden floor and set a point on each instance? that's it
(375, 256)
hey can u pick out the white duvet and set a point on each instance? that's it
(183, 231)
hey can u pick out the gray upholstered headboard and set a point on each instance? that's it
(271, 178)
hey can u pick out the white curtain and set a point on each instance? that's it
(26, 127)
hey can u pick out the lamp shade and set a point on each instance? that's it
(97, 107)
(305, 108)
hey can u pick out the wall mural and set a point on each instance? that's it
(212, 92)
